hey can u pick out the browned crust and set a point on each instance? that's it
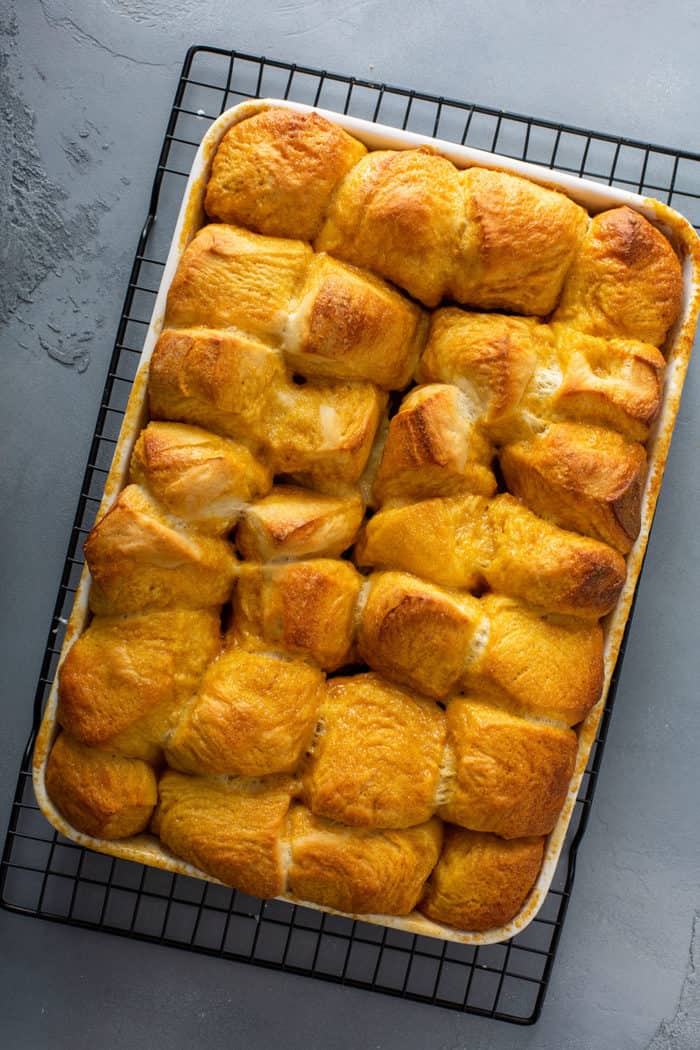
(361, 870)
(376, 762)
(307, 608)
(626, 280)
(586, 479)
(232, 829)
(100, 793)
(481, 881)
(511, 775)
(276, 171)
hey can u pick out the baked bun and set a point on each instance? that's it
(398, 214)
(253, 714)
(99, 793)
(625, 282)
(511, 775)
(230, 278)
(196, 476)
(305, 608)
(518, 243)
(322, 433)
(217, 379)
(583, 478)
(348, 324)
(490, 358)
(418, 634)
(123, 681)
(140, 558)
(434, 448)
(232, 829)
(276, 172)
(292, 522)
(481, 880)
(351, 778)
(467, 541)
(519, 642)
(360, 870)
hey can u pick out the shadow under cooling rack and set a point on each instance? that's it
(43, 874)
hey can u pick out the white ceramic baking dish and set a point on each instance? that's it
(147, 849)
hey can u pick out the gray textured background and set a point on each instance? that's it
(85, 90)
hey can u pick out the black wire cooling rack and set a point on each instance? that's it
(42, 873)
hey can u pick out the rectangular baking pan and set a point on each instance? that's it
(146, 849)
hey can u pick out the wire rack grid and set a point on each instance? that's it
(42, 873)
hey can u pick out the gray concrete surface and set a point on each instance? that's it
(85, 88)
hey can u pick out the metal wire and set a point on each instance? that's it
(43, 874)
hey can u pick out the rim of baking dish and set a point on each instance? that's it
(595, 197)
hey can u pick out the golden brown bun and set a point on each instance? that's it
(625, 281)
(490, 357)
(398, 214)
(518, 243)
(349, 324)
(292, 522)
(219, 380)
(322, 433)
(124, 679)
(559, 571)
(481, 880)
(231, 829)
(549, 666)
(587, 479)
(101, 794)
(276, 171)
(437, 641)
(360, 870)
(465, 541)
(485, 238)
(196, 476)
(416, 633)
(433, 448)
(254, 714)
(230, 278)
(516, 373)
(443, 540)
(222, 381)
(614, 383)
(305, 608)
(376, 762)
(141, 559)
(331, 320)
(511, 776)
